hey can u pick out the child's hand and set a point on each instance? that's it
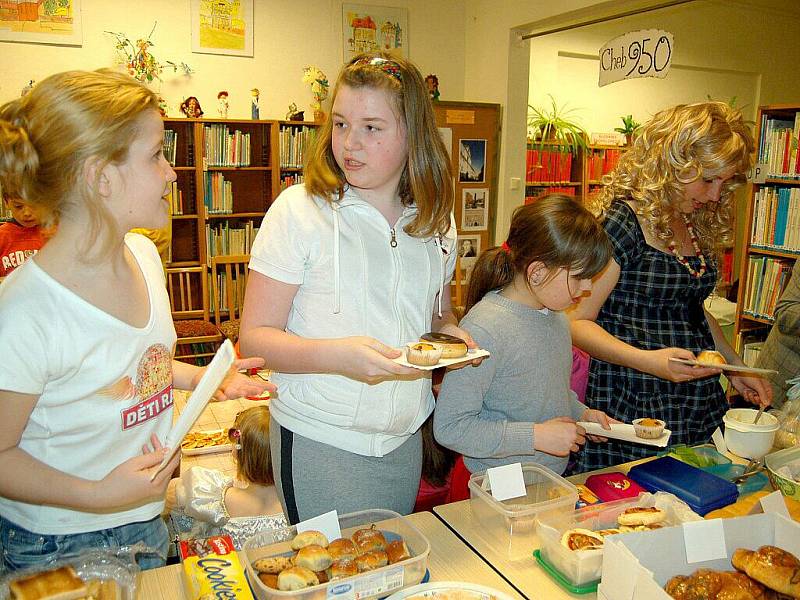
(558, 436)
(130, 482)
(455, 330)
(238, 385)
(366, 359)
(598, 416)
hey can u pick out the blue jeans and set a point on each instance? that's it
(23, 548)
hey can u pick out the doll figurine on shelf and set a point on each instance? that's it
(254, 104)
(191, 108)
(222, 104)
(432, 83)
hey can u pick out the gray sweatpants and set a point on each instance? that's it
(313, 478)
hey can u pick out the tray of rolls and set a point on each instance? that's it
(379, 553)
(206, 442)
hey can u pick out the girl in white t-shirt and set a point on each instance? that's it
(346, 269)
(85, 326)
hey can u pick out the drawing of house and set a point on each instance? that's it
(364, 34)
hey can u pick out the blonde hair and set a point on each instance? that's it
(47, 136)
(678, 146)
(253, 461)
(427, 179)
(556, 230)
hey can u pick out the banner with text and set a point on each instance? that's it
(645, 53)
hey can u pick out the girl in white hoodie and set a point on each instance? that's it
(347, 268)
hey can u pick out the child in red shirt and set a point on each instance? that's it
(21, 238)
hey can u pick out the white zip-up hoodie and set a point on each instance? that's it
(352, 281)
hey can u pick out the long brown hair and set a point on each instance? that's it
(47, 136)
(556, 230)
(254, 461)
(677, 146)
(427, 180)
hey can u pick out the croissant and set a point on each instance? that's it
(775, 568)
(707, 584)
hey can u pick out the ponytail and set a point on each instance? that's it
(18, 158)
(494, 269)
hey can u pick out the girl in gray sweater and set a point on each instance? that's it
(518, 406)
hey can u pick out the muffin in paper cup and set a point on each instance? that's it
(649, 429)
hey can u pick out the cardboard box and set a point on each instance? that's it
(636, 566)
(211, 569)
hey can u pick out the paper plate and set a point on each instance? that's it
(734, 368)
(625, 432)
(443, 362)
(449, 590)
(210, 449)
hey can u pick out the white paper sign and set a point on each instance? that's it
(506, 482)
(327, 524)
(775, 503)
(704, 540)
(645, 53)
(719, 441)
(620, 569)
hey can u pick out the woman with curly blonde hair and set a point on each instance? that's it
(667, 210)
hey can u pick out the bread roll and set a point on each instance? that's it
(273, 564)
(269, 579)
(581, 539)
(397, 550)
(313, 558)
(711, 357)
(307, 538)
(296, 578)
(58, 584)
(322, 576)
(374, 559)
(344, 567)
(369, 539)
(774, 567)
(342, 548)
(452, 347)
(641, 515)
(707, 584)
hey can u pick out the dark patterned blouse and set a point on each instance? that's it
(656, 303)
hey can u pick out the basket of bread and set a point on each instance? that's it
(379, 552)
(572, 543)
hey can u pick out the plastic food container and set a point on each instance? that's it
(512, 522)
(446, 590)
(372, 584)
(581, 568)
(703, 457)
(776, 460)
(745, 438)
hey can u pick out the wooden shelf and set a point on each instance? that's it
(179, 217)
(780, 181)
(241, 215)
(775, 253)
(762, 320)
(553, 183)
(238, 168)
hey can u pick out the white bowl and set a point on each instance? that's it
(745, 438)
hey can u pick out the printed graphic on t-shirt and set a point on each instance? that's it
(14, 259)
(152, 390)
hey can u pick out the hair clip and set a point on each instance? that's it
(389, 67)
(234, 433)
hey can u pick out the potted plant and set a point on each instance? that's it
(555, 125)
(629, 126)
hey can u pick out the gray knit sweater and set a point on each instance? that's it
(487, 413)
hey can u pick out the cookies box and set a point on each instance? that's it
(371, 584)
(636, 566)
(211, 569)
(581, 568)
(702, 491)
(512, 522)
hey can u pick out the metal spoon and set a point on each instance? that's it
(760, 412)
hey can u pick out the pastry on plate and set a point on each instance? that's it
(423, 354)
(711, 357)
(648, 429)
(452, 346)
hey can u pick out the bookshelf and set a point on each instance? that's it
(772, 225)
(228, 174)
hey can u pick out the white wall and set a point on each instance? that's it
(288, 36)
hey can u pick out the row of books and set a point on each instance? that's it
(776, 219)
(766, 279)
(170, 145)
(294, 143)
(218, 197)
(221, 297)
(175, 199)
(777, 146)
(225, 149)
(292, 179)
(543, 191)
(601, 162)
(552, 165)
(226, 239)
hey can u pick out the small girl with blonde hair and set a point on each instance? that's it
(218, 504)
(518, 406)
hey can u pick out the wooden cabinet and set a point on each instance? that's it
(772, 226)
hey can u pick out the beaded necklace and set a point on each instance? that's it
(682, 259)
